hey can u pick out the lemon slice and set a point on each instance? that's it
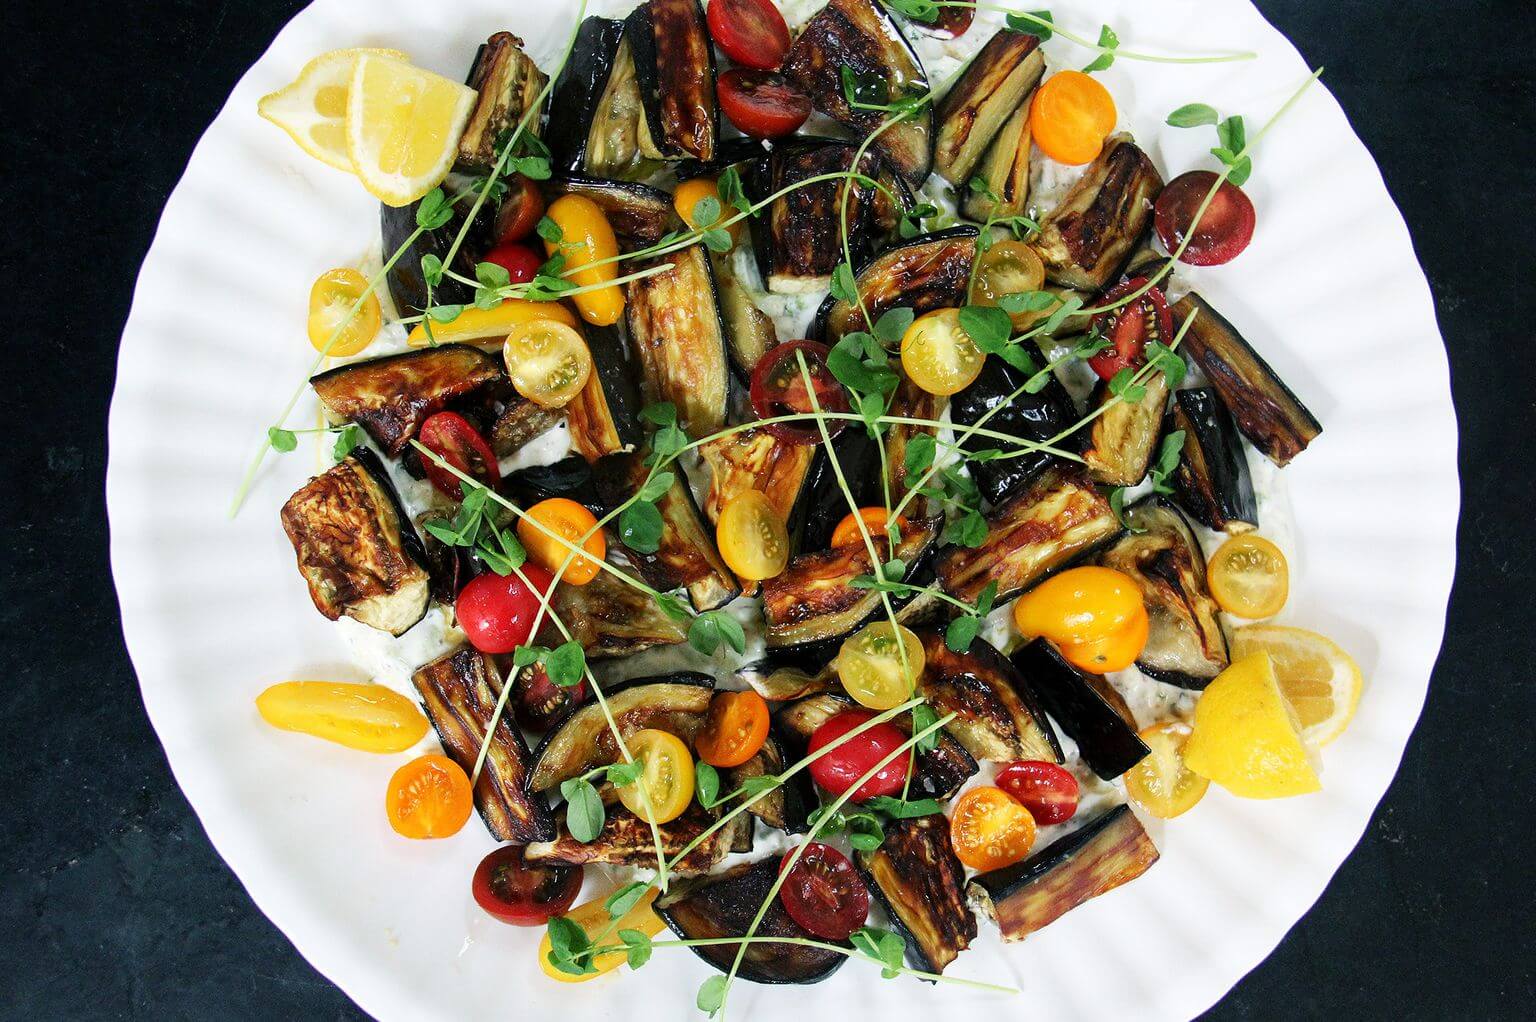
(313, 107)
(1246, 737)
(1320, 681)
(403, 127)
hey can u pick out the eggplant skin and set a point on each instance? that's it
(407, 286)
(675, 68)
(678, 335)
(676, 703)
(924, 274)
(786, 807)
(921, 884)
(988, 93)
(798, 238)
(1107, 742)
(580, 89)
(1093, 860)
(611, 619)
(1124, 437)
(822, 504)
(604, 417)
(639, 214)
(1034, 417)
(627, 840)
(1086, 239)
(1211, 482)
(998, 717)
(519, 422)
(1265, 409)
(509, 84)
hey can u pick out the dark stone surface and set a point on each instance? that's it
(112, 901)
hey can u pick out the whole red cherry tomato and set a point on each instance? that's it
(497, 611)
(1048, 791)
(841, 768)
(521, 262)
(524, 893)
(823, 893)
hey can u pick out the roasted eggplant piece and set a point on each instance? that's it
(686, 555)
(859, 35)
(460, 691)
(921, 883)
(391, 397)
(570, 477)
(611, 618)
(798, 238)
(1093, 860)
(627, 840)
(356, 548)
(1106, 741)
(508, 83)
(1005, 170)
(822, 504)
(639, 214)
(519, 422)
(407, 285)
(755, 459)
(749, 330)
(1086, 239)
(1212, 481)
(1032, 417)
(786, 807)
(1266, 411)
(1124, 437)
(998, 716)
(604, 417)
(678, 335)
(990, 90)
(782, 683)
(908, 402)
(675, 70)
(924, 274)
(595, 127)
(1185, 645)
(1048, 522)
(725, 906)
(677, 703)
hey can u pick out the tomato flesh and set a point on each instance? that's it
(752, 537)
(989, 830)
(451, 437)
(521, 262)
(736, 728)
(497, 611)
(1047, 790)
(1249, 577)
(549, 362)
(1225, 228)
(751, 32)
(520, 211)
(823, 893)
(539, 704)
(762, 104)
(880, 663)
(665, 786)
(429, 797)
(1130, 328)
(778, 388)
(952, 22)
(569, 521)
(840, 769)
(524, 893)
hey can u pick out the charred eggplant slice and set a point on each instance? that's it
(924, 274)
(639, 214)
(611, 618)
(798, 238)
(1266, 411)
(749, 330)
(786, 807)
(860, 35)
(1053, 519)
(1032, 417)
(909, 402)
(1087, 238)
(459, 691)
(921, 884)
(1212, 481)
(1106, 741)
(755, 459)
(990, 90)
(597, 127)
(822, 503)
(998, 717)
(1112, 850)
(678, 335)
(570, 477)
(1005, 170)
(627, 840)
(1185, 645)
(675, 70)
(356, 548)
(407, 285)
(519, 422)
(1124, 437)
(604, 418)
(508, 83)
(724, 906)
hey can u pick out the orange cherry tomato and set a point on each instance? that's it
(570, 521)
(752, 536)
(990, 830)
(1095, 615)
(736, 728)
(847, 532)
(687, 198)
(367, 717)
(586, 238)
(1071, 116)
(429, 797)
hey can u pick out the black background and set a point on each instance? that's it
(112, 902)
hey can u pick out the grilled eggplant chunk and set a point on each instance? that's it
(1087, 238)
(627, 840)
(998, 717)
(1185, 645)
(391, 397)
(1106, 741)
(459, 691)
(748, 329)
(678, 336)
(611, 618)
(921, 883)
(686, 555)
(356, 548)
(1212, 481)
(798, 239)
(519, 422)
(780, 683)
(755, 459)
(604, 417)
(509, 84)
(407, 285)
(1112, 850)
(786, 807)
(569, 477)
(675, 69)
(1124, 437)
(595, 127)
(724, 906)
(1032, 417)
(822, 503)
(990, 90)
(909, 402)
(1053, 519)
(924, 274)
(1005, 170)
(677, 703)
(860, 35)
(1266, 411)
(639, 214)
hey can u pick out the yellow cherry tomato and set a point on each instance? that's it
(938, 356)
(570, 521)
(330, 304)
(367, 717)
(587, 238)
(1071, 116)
(489, 326)
(1007, 268)
(594, 919)
(1113, 651)
(667, 778)
(687, 197)
(872, 667)
(1095, 616)
(548, 362)
(752, 537)
(1249, 577)
(1161, 783)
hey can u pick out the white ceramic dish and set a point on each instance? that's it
(213, 610)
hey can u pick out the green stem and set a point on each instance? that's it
(1154, 58)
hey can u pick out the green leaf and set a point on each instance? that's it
(550, 231)
(656, 487)
(526, 656)
(1233, 135)
(1031, 24)
(893, 323)
(492, 275)
(865, 832)
(640, 527)
(346, 442)
(921, 449)
(844, 287)
(1117, 504)
(673, 607)
(731, 191)
(825, 821)
(864, 91)
(282, 440)
(987, 326)
(1167, 460)
(445, 313)
(665, 442)
(432, 269)
(568, 947)
(434, 210)
(968, 530)
(1193, 115)
(1026, 301)
(900, 809)
(732, 632)
(1110, 42)
(713, 627)
(751, 787)
(622, 775)
(1068, 307)
(853, 370)
(1121, 386)
(535, 167)
(962, 632)
(717, 240)
(711, 994)
(1240, 172)
(706, 212)
(923, 718)
(915, 10)
(883, 945)
(1016, 356)
(662, 413)
(625, 898)
(639, 945)
(583, 809)
(706, 784)
(985, 600)
(566, 664)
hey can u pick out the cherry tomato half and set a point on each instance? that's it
(762, 104)
(451, 437)
(667, 779)
(548, 362)
(736, 728)
(938, 355)
(952, 22)
(330, 305)
(880, 663)
(751, 32)
(1009, 267)
(521, 209)
(1048, 791)
(429, 797)
(875, 518)
(1225, 228)
(778, 388)
(521, 262)
(752, 536)
(1249, 577)
(823, 893)
(524, 893)
(497, 611)
(840, 769)
(570, 521)
(1071, 116)
(539, 704)
(1130, 328)
(990, 830)
(1161, 783)
(367, 717)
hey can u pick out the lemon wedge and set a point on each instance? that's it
(403, 127)
(312, 108)
(1320, 681)
(1246, 737)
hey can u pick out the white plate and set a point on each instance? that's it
(213, 609)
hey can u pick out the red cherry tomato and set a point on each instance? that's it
(1048, 791)
(1130, 327)
(520, 211)
(751, 32)
(451, 437)
(762, 103)
(841, 768)
(524, 893)
(539, 704)
(521, 262)
(952, 23)
(778, 388)
(497, 611)
(823, 893)
(1225, 228)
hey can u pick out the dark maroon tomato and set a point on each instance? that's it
(762, 103)
(1130, 328)
(952, 23)
(524, 893)
(497, 611)
(1225, 228)
(521, 209)
(841, 768)
(539, 704)
(823, 893)
(1048, 791)
(451, 437)
(779, 388)
(521, 262)
(751, 32)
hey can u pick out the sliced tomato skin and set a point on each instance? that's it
(840, 769)
(1225, 228)
(523, 893)
(521, 262)
(778, 388)
(823, 893)
(953, 22)
(1126, 327)
(762, 104)
(520, 211)
(751, 32)
(1047, 790)
(451, 437)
